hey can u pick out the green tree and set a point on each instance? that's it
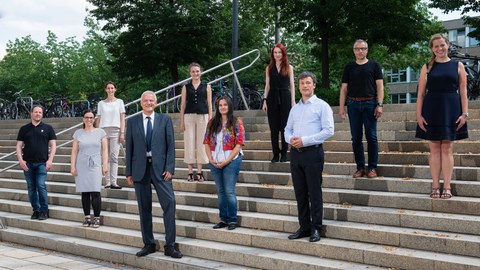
(337, 24)
(156, 35)
(59, 67)
(464, 6)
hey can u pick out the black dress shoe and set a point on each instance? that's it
(275, 159)
(283, 158)
(116, 187)
(147, 249)
(173, 252)
(315, 235)
(300, 233)
(232, 226)
(35, 215)
(220, 225)
(43, 216)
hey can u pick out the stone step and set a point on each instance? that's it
(250, 254)
(398, 158)
(463, 146)
(387, 236)
(101, 250)
(256, 199)
(252, 168)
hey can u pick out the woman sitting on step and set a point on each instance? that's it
(223, 144)
(88, 163)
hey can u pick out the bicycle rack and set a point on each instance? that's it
(28, 101)
(234, 73)
(81, 103)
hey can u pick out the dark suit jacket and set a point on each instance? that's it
(163, 147)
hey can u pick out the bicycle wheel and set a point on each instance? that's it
(67, 112)
(178, 103)
(12, 111)
(56, 110)
(23, 113)
(254, 100)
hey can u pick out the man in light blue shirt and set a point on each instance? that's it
(309, 124)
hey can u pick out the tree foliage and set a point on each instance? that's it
(58, 67)
(393, 24)
(158, 35)
(465, 6)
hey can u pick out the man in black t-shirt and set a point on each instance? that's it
(362, 91)
(32, 152)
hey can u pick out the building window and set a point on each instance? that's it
(473, 42)
(396, 75)
(398, 98)
(457, 37)
(414, 75)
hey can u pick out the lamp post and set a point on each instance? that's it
(235, 48)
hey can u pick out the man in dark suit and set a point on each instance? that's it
(150, 160)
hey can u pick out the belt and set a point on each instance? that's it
(306, 148)
(149, 159)
(361, 98)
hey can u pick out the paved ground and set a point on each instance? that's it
(18, 257)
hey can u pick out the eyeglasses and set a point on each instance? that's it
(361, 49)
(89, 117)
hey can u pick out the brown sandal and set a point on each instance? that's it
(200, 177)
(435, 193)
(446, 193)
(190, 177)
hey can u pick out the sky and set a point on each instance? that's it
(19, 18)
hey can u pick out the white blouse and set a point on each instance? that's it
(110, 113)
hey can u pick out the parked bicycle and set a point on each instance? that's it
(7, 110)
(472, 66)
(55, 107)
(253, 98)
(23, 104)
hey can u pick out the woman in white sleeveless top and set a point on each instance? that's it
(111, 118)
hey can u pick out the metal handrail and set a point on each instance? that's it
(234, 73)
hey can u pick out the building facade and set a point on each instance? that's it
(402, 83)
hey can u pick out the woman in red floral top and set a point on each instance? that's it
(223, 141)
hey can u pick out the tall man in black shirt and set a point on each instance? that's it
(362, 90)
(34, 139)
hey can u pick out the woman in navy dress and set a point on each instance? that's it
(279, 98)
(442, 111)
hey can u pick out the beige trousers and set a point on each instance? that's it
(113, 134)
(195, 127)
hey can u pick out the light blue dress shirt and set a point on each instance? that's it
(312, 121)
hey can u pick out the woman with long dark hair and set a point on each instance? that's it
(279, 98)
(88, 162)
(223, 141)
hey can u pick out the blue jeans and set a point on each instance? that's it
(37, 189)
(225, 181)
(360, 114)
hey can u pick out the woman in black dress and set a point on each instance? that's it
(279, 98)
(442, 111)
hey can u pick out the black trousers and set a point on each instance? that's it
(94, 199)
(278, 108)
(307, 168)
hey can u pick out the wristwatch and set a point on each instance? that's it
(380, 104)
(465, 113)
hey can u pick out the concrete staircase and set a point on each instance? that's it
(387, 223)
